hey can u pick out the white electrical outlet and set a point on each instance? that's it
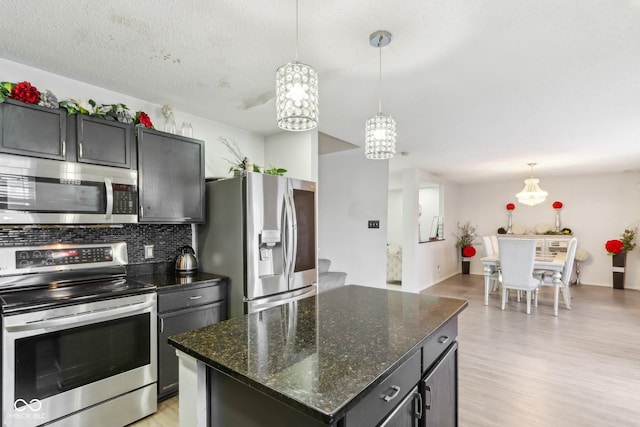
(148, 251)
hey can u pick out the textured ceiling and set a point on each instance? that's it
(479, 88)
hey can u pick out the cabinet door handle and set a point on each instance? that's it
(427, 406)
(418, 413)
(443, 339)
(161, 325)
(195, 297)
(80, 150)
(64, 148)
(393, 395)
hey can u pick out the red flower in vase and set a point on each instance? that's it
(510, 206)
(468, 251)
(614, 246)
(143, 119)
(26, 93)
(557, 205)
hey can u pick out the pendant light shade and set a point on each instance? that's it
(531, 194)
(380, 130)
(380, 137)
(297, 94)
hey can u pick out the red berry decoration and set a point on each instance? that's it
(26, 93)
(557, 205)
(510, 206)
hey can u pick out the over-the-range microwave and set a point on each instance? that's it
(43, 191)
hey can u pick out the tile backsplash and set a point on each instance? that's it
(166, 238)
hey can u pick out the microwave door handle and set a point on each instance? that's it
(108, 184)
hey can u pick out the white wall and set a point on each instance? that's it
(353, 190)
(596, 208)
(297, 152)
(424, 264)
(394, 218)
(251, 144)
(429, 199)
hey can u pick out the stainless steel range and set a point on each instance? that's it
(79, 341)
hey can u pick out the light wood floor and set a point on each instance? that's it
(166, 416)
(581, 368)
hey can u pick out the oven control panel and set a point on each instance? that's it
(67, 256)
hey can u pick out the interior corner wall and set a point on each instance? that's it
(353, 190)
(394, 218)
(425, 264)
(297, 152)
(596, 208)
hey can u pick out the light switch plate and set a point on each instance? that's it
(148, 251)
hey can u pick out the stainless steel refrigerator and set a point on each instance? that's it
(260, 231)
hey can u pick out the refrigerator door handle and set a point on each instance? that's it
(286, 240)
(289, 238)
(294, 235)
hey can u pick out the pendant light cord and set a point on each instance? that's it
(296, 31)
(380, 77)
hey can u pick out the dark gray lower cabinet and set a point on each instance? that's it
(408, 413)
(440, 391)
(176, 322)
(183, 310)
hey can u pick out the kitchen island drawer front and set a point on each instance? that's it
(379, 402)
(438, 342)
(192, 296)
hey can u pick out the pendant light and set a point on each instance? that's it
(380, 130)
(531, 194)
(297, 94)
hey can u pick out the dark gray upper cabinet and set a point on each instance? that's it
(50, 133)
(30, 130)
(170, 178)
(104, 142)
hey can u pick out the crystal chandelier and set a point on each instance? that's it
(531, 194)
(380, 130)
(297, 94)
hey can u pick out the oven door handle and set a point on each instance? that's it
(81, 318)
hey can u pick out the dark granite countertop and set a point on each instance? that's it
(169, 281)
(321, 353)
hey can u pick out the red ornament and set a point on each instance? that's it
(468, 251)
(26, 93)
(510, 206)
(557, 205)
(614, 246)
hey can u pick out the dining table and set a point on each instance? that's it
(549, 262)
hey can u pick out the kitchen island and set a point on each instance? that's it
(354, 356)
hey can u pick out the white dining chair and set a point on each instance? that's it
(494, 243)
(517, 257)
(546, 278)
(494, 274)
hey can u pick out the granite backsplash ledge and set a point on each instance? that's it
(167, 239)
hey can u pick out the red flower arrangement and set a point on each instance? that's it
(510, 206)
(626, 242)
(143, 119)
(557, 205)
(26, 93)
(468, 251)
(614, 246)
